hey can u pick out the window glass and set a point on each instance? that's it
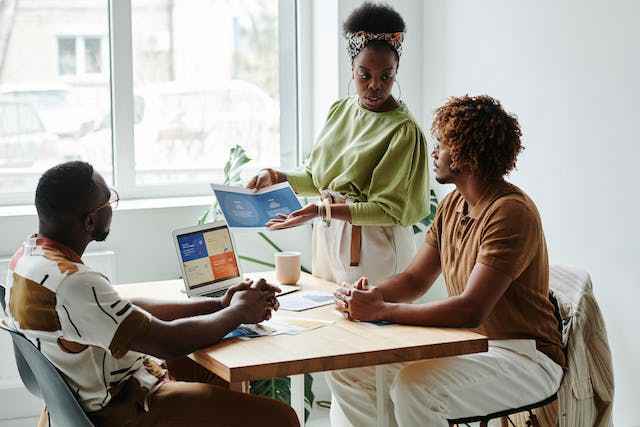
(67, 56)
(93, 55)
(49, 109)
(205, 79)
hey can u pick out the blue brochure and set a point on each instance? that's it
(244, 208)
(241, 331)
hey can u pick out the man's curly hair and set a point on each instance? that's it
(480, 135)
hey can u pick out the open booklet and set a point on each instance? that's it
(288, 326)
(245, 208)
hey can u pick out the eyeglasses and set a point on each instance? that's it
(114, 198)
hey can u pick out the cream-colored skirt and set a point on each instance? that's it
(385, 251)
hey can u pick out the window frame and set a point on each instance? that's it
(117, 56)
(123, 141)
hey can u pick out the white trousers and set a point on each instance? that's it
(386, 250)
(428, 393)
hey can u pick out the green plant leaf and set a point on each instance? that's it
(280, 389)
(269, 241)
(432, 208)
(256, 261)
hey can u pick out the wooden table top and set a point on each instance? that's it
(340, 345)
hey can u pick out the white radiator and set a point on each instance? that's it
(15, 400)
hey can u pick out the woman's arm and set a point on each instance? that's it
(339, 211)
(301, 181)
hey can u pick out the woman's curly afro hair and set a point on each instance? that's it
(374, 18)
(480, 134)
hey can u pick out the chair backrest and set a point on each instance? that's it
(43, 380)
(2, 302)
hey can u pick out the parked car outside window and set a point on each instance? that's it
(62, 110)
(22, 134)
(179, 126)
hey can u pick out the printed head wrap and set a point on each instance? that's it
(359, 40)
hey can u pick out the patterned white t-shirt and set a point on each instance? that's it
(77, 320)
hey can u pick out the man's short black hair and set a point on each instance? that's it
(374, 18)
(63, 191)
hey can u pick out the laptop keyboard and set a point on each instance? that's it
(215, 294)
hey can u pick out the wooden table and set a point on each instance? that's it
(340, 345)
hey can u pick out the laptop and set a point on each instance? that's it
(208, 260)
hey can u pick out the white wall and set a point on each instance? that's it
(569, 70)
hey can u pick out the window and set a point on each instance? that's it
(153, 93)
(79, 55)
(92, 55)
(47, 105)
(67, 56)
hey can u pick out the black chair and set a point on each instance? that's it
(484, 419)
(44, 381)
(2, 294)
(533, 419)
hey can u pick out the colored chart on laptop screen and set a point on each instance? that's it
(208, 257)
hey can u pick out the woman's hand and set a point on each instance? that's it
(294, 218)
(266, 178)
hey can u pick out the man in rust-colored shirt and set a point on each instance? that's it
(487, 241)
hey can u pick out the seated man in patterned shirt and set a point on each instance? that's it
(104, 345)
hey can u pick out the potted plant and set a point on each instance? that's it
(275, 388)
(280, 388)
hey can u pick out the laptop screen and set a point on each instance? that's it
(208, 256)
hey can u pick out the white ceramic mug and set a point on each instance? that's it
(287, 267)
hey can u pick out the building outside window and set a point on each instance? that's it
(196, 78)
(78, 55)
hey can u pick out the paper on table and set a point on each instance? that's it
(306, 324)
(288, 326)
(245, 208)
(305, 300)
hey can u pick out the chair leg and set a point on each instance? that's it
(533, 420)
(507, 422)
(44, 418)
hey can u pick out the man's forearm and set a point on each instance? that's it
(451, 312)
(183, 336)
(402, 287)
(415, 280)
(172, 310)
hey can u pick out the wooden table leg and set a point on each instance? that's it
(383, 414)
(242, 386)
(297, 396)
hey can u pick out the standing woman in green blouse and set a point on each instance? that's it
(369, 163)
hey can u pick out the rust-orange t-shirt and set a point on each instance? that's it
(503, 231)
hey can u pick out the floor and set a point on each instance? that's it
(319, 418)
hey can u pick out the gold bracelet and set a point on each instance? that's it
(320, 210)
(327, 211)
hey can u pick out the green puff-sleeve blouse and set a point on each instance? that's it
(377, 159)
